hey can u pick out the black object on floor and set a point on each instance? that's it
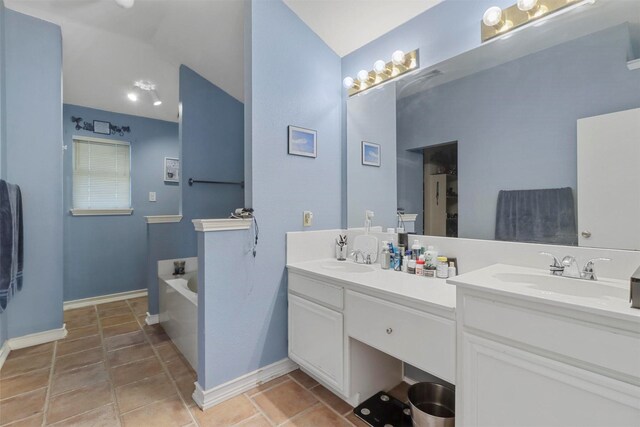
(383, 410)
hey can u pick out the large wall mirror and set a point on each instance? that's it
(534, 137)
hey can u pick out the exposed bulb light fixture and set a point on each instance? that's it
(379, 66)
(397, 57)
(363, 76)
(492, 17)
(527, 5)
(133, 97)
(348, 82)
(154, 97)
(148, 87)
(125, 4)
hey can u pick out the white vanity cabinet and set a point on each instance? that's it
(522, 363)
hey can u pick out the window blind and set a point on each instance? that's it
(101, 175)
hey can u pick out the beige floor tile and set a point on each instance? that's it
(284, 401)
(139, 305)
(356, 421)
(226, 413)
(135, 371)
(180, 368)
(82, 377)
(21, 365)
(86, 331)
(318, 416)
(105, 416)
(23, 383)
(110, 305)
(78, 401)
(129, 354)
(123, 328)
(30, 351)
(400, 392)
(255, 421)
(186, 387)
(117, 320)
(81, 322)
(305, 380)
(78, 360)
(265, 386)
(115, 311)
(169, 413)
(144, 392)
(79, 312)
(22, 406)
(34, 421)
(331, 400)
(81, 344)
(168, 351)
(125, 340)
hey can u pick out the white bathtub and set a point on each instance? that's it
(179, 312)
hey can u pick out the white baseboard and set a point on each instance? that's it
(4, 352)
(208, 398)
(151, 319)
(409, 381)
(86, 302)
(37, 338)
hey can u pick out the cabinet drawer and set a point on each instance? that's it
(316, 290)
(421, 339)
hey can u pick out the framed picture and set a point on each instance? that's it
(103, 128)
(302, 142)
(171, 169)
(370, 154)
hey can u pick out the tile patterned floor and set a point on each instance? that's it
(113, 370)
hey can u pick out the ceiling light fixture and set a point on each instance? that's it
(133, 97)
(154, 97)
(125, 4)
(150, 88)
(400, 64)
(497, 22)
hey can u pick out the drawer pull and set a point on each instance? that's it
(389, 330)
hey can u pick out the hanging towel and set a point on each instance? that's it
(537, 216)
(11, 242)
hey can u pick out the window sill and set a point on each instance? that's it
(100, 212)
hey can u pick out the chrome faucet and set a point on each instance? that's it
(366, 257)
(568, 267)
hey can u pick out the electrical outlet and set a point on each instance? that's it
(152, 196)
(307, 219)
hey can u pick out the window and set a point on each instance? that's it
(101, 177)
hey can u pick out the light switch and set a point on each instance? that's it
(152, 196)
(307, 219)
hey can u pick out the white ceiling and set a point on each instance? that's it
(346, 25)
(107, 48)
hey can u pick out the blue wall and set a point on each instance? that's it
(33, 142)
(107, 254)
(4, 330)
(212, 148)
(295, 80)
(524, 134)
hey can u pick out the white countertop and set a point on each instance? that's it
(424, 291)
(608, 297)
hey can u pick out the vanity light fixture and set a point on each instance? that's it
(401, 63)
(497, 22)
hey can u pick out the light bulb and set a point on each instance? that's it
(379, 66)
(363, 75)
(348, 82)
(126, 4)
(527, 5)
(155, 98)
(133, 97)
(397, 57)
(492, 16)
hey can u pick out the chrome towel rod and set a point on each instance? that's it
(200, 181)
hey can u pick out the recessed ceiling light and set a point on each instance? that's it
(133, 97)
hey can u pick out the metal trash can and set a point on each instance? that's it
(432, 405)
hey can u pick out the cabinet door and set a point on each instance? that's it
(435, 205)
(505, 386)
(316, 340)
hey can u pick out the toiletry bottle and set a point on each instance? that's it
(415, 250)
(452, 269)
(430, 258)
(420, 266)
(385, 260)
(411, 266)
(442, 270)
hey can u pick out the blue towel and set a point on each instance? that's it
(537, 216)
(11, 242)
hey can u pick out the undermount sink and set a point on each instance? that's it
(347, 267)
(566, 286)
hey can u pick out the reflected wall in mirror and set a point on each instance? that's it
(533, 138)
(133, 70)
